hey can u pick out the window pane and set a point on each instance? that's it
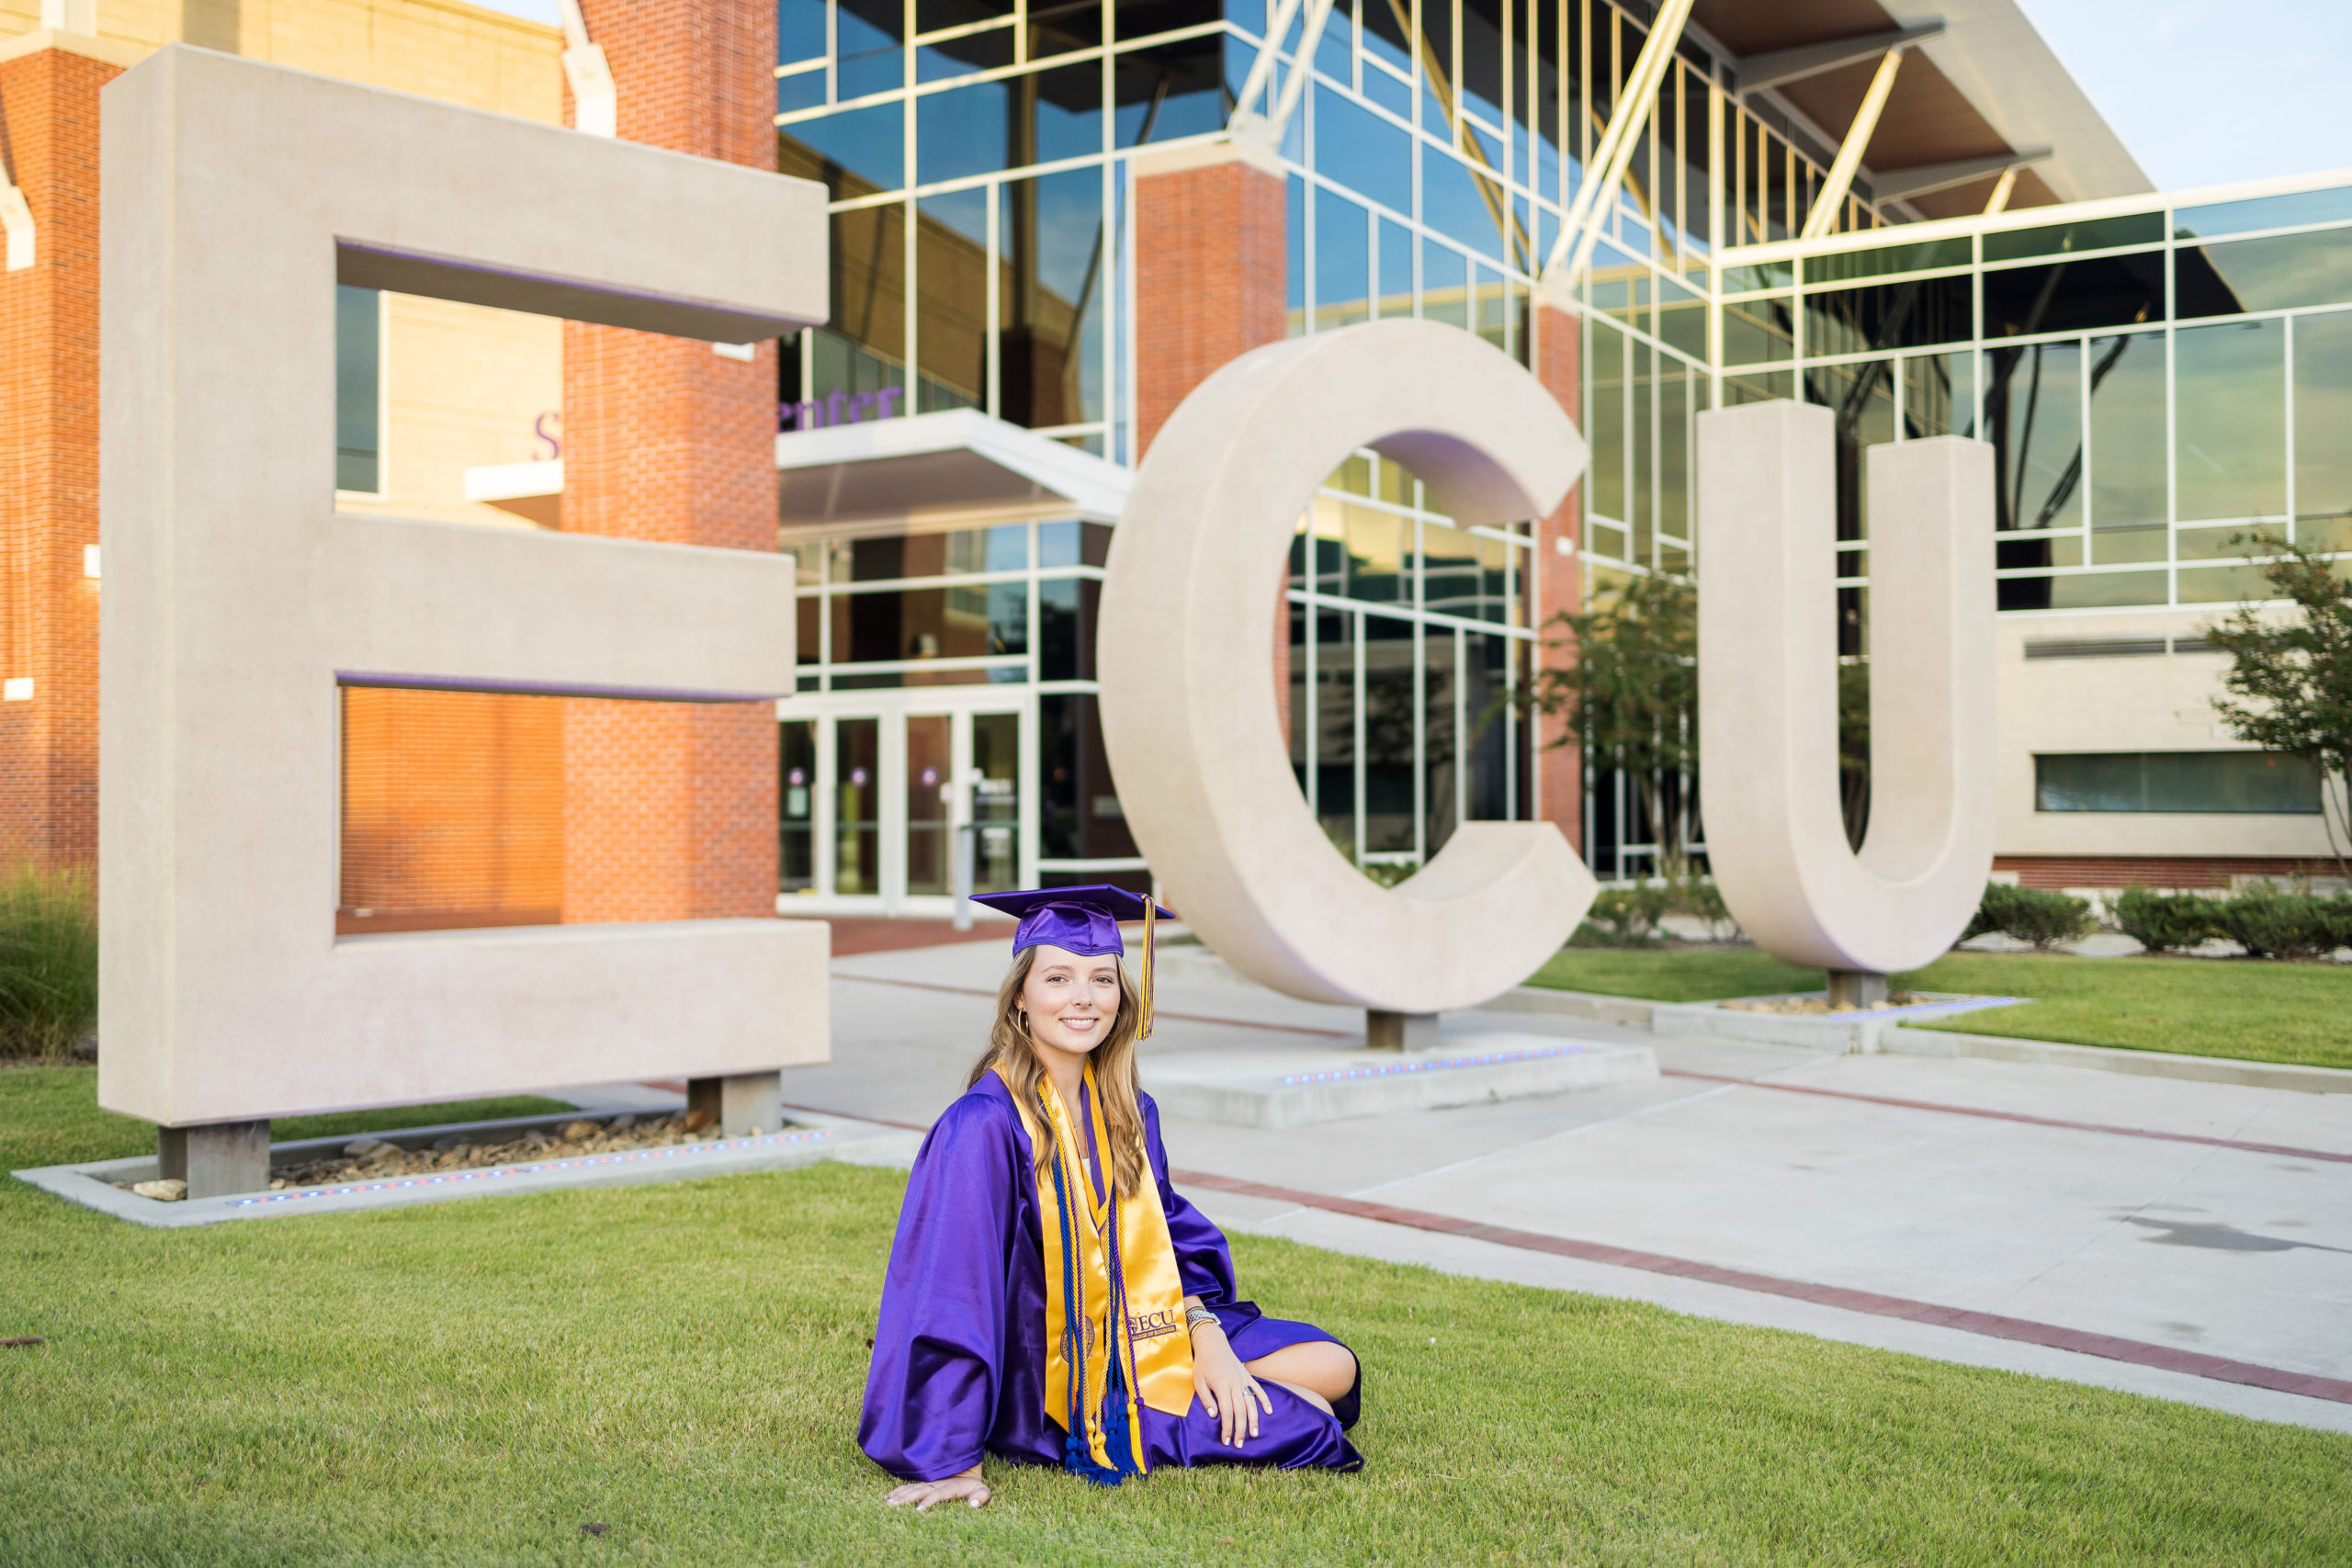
(799, 32)
(1169, 90)
(857, 806)
(1605, 484)
(2324, 416)
(1062, 26)
(856, 152)
(2128, 512)
(1356, 148)
(870, 57)
(930, 764)
(1342, 262)
(798, 864)
(358, 379)
(1375, 554)
(2230, 398)
(2216, 781)
(1445, 293)
(2109, 291)
(952, 279)
(1918, 256)
(2277, 274)
(1050, 369)
(996, 801)
(964, 132)
(1438, 761)
(1890, 315)
(1394, 289)
(966, 56)
(2088, 234)
(2033, 409)
(1080, 817)
(1939, 395)
(1388, 724)
(1335, 729)
(1454, 202)
(2331, 206)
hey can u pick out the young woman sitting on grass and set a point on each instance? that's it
(1050, 1298)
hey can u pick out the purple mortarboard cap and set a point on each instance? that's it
(1084, 920)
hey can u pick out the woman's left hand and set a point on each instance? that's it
(1226, 1390)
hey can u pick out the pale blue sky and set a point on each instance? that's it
(2204, 91)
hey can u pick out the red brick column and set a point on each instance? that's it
(1559, 576)
(670, 812)
(1212, 283)
(49, 459)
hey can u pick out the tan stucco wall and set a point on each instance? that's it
(2149, 703)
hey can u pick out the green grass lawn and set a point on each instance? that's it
(2202, 1007)
(470, 1383)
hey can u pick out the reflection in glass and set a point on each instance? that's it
(857, 806)
(1050, 354)
(868, 54)
(2333, 204)
(2323, 420)
(1356, 148)
(2084, 234)
(2230, 400)
(996, 802)
(1605, 373)
(1066, 608)
(930, 771)
(2277, 274)
(1888, 315)
(1169, 90)
(358, 383)
(797, 864)
(1445, 294)
(799, 32)
(1389, 711)
(2263, 781)
(1916, 255)
(1078, 816)
(1335, 728)
(863, 346)
(1939, 395)
(1440, 662)
(2065, 297)
(951, 268)
(1342, 262)
(2128, 479)
(1394, 290)
(1863, 398)
(2033, 409)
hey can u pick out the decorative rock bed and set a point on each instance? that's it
(371, 1158)
(1819, 1006)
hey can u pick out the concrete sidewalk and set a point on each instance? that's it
(1831, 1203)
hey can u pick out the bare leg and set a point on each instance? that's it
(1319, 1370)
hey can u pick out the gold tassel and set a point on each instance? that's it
(1149, 909)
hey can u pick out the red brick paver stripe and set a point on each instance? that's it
(2107, 1347)
(1942, 1109)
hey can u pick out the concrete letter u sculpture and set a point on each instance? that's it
(1768, 695)
(1188, 710)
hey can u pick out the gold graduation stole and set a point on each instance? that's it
(1116, 1338)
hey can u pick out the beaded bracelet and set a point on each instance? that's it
(1195, 1317)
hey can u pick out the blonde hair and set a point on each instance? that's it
(1012, 1047)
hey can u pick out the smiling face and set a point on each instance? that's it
(1071, 1001)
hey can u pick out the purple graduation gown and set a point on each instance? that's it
(959, 1352)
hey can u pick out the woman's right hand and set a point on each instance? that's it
(928, 1495)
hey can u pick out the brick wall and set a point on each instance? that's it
(670, 812)
(1560, 577)
(2154, 871)
(49, 459)
(453, 810)
(1211, 284)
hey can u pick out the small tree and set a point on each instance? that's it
(1631, 695)
(2289, 684)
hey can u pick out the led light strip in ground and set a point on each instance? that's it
(353, 1189)
(1399, 1069)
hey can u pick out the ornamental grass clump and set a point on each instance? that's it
(48, 959)
(1625, 917)
(2030, 915)
(2166, 922)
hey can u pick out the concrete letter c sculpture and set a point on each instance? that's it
(1768, 694)
(1186, 629)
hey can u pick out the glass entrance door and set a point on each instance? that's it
(870, 804)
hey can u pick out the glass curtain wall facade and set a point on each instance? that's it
(982, 257)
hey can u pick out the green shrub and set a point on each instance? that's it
(48, 959)
(2028, 914)
(2269, 922)
(1624, 916)
(2162, 922)
(1699, 898)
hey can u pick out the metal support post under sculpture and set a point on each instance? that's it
(739, 1104)
(217, 1159)
(1768, 697)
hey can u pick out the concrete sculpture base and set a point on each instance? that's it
(1300, 1087)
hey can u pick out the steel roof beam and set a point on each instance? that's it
(1782, 66)
(1902, 185)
